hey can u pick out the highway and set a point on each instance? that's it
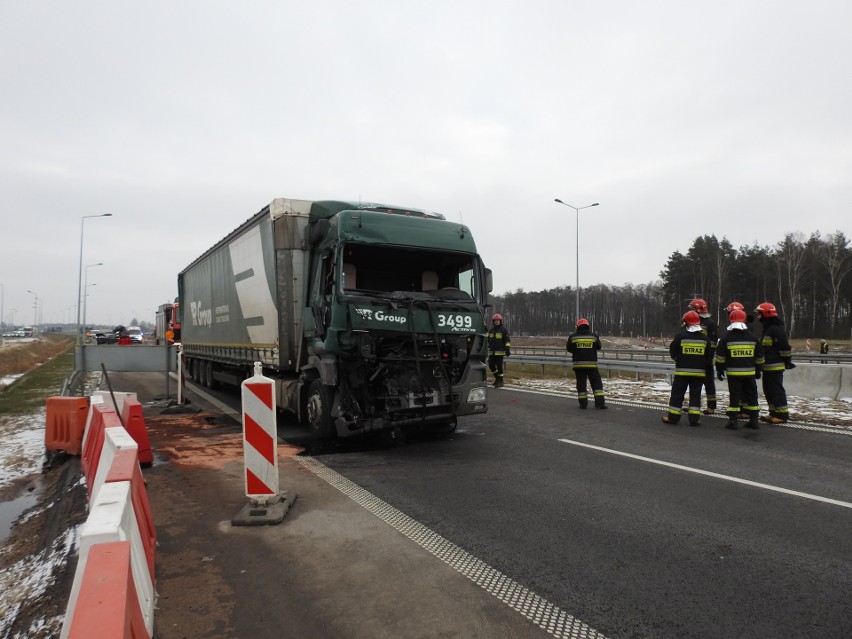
(621, 524)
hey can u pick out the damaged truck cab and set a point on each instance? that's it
(379, 315)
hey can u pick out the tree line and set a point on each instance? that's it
(806, 278)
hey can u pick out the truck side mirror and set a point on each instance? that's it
(489, 281)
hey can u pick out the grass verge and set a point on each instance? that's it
(51, 362)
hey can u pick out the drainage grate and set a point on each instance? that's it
(538, 610)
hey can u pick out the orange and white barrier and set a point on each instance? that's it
(65, 423)
(112, 519)
(134, 423)
(120, 396)
(260, 437)
(113, 590)
(103, 417)
(107, 603)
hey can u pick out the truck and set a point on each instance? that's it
(369, 317)
(167, 327)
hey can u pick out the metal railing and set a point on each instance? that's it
(634, 366)
(661, 354)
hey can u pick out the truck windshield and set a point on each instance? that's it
(371, 268)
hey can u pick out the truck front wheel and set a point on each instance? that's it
(319, 410)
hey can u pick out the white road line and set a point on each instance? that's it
(835, 502)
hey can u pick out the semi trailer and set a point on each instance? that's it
(368, 317)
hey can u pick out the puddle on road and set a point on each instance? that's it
(11, 510)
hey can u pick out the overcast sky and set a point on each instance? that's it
(182, 119)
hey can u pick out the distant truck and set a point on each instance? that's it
(369, 317)
(168, 323)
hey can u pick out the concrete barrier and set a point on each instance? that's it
(819, 380)
(845, 383)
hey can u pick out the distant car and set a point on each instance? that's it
(105, 338)
(136, 334)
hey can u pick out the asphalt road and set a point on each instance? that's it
(632, 527)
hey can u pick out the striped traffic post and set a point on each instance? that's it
(267, 505)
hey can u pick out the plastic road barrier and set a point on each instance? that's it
(112, 519)
(65, 423)
(134, 423)
(107, 604)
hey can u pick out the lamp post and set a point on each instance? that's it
(35, 312)
(80, 273)
(86, 286)
(577, 209)
(2, 301)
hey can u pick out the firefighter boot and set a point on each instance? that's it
(498, 383)
(752, 422)
(671, 419)
(584, 403)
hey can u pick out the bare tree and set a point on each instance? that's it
(791, 256)
(835, 256)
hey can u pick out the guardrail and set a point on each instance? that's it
(638, 367)
(662, 354)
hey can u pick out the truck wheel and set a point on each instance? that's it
(319, 410)
(209, 382)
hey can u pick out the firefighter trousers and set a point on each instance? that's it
(776, 396)
(593, 376)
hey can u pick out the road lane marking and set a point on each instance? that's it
(540, 611)
(708, 473)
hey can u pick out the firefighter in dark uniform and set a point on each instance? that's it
(739, 353)
(584, 345)
(711, 330)
(823, 349)
(692, 352)
(779, 356)
(498, 348)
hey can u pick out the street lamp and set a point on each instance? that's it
(577, 209)
(86, 286)
(80, 273)
(35, 312)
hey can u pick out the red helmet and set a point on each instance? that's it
(497, 317)
(766, 310)
(691, 318)
(735, 306)
(582, 322)
(737, 316)
(698, 305)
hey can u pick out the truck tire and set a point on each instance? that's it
(209, 382)
(319, 410)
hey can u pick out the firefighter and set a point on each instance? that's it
(740, 354)
(498, 348)
(823, 349)
(711, 330)
(692, 352)
(584, 345)
(779, 356)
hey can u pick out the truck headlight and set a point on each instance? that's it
(476, 395)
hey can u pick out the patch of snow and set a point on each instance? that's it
(8, 380)
(23, 446)
(29, 579)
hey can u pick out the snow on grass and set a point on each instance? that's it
(820, 410)
(29, 579)
(23, 446)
